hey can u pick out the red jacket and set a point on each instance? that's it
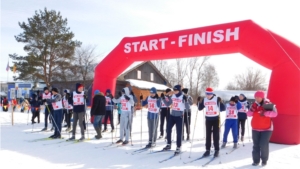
(261, 119)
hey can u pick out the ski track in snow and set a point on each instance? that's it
(16, 152)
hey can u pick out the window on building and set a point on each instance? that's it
(151, 76)
(139, 74)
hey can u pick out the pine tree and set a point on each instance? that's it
(49, 46)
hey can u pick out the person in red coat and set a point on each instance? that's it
(262, 127)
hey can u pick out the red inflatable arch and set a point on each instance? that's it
(246, 37)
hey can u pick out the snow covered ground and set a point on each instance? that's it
(18, 152)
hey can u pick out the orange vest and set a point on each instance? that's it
(259, 122)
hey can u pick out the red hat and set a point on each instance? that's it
(209, 90)
(260, 94)
(79, 86)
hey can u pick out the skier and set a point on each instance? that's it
(165, 113)
(109, 111)
(187, 114)
(48, 107)
(14, 103)
(118, 105)
(262, 127)
(98, 110)
(78, 101)
(5, 104)
(242, 116)
(231, 121)
(132, 107)
(127, 101)
(176, 117)
(153, 103)
(56, 101)
(68, 108)
(35, 108)
(213, 106)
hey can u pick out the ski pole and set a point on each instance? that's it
(27, 116)
(182, 129)
(155, 126)
(86, 119)
(188, 123)
(53, 121)
(248, 130)
(193, 133)
(112, 122)
(141, 124)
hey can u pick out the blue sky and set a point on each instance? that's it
(105, 23)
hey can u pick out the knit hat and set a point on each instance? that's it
(55, 90)
(260, 94)
(79, 86)
(153, 90)
(177, 87)
(96, 92)
(46, 88)
(232, 99)
(66, 91)
(209, 91)
(168, 90)
(108, 91)
(242, 95)
(185, 90)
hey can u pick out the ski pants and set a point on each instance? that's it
(68, 116)
(125, 124)
(109, 114)
(233, 125)
(152, 128)
(212, 126)
(187, 121)
(164, 116)
(242, 125)
(260, 145)
(58, 116)
(175, 120)
(78, 117)
(35, 113)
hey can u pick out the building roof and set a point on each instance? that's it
(141, 84)
(136, 65)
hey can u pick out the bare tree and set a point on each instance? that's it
(166, 70)
(181, 69)
(85, 62)
(209, 77)
(251, 79)
(199, 75)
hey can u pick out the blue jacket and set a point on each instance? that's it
(110, 105)
(150, 114)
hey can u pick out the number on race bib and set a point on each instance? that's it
(210, 108)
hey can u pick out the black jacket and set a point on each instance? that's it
(78, 108)
(99, 105)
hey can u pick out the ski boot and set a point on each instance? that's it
(44, 129)
(125, 142)
(223, 145)
(264, 163)
(167, 148)
(177, 151)
(71, 138)
(207, 153)
(216, 154)
(235, 145)
(81, 138)
(119, 141)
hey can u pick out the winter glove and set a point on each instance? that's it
(162, 95)
(85, 96)
(184, 98)
(110, 96)
(219, 99)
(156, 96)
(236, 98)
(126, 97)
(199, 98)
(141, 97)
(120, 94)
